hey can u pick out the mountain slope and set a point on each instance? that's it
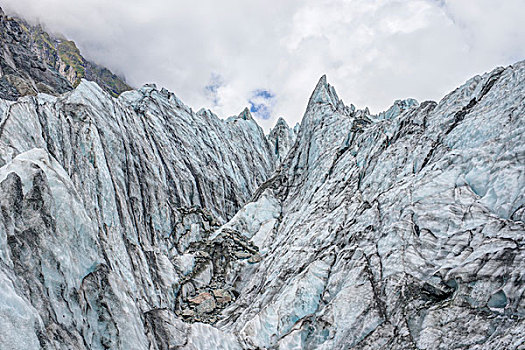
(34, 61)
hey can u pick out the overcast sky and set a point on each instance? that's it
(228, 54)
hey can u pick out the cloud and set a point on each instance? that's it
(261, 104)
(216, 54)
(212, 89)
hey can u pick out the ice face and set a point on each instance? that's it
(129, 223)
(397, 108)
(92, 188)
(281, 139)
(422, 211)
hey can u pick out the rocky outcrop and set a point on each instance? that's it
(33, 61)
(22, 72)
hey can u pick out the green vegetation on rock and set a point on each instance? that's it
(65, 65)
(70, 55)
(105, 78)
(44, 45)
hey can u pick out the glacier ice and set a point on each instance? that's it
(137, 223)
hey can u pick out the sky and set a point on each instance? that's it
(268, 55)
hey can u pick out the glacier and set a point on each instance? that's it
(100, 197)
(138, 223)
(403, 230)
